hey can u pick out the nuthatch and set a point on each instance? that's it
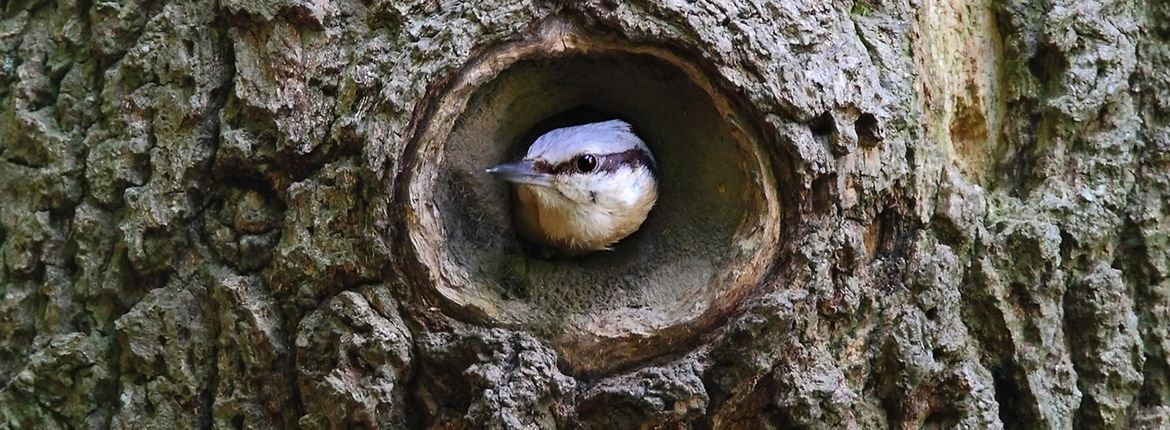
(583, 188)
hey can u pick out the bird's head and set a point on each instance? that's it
(582, 188)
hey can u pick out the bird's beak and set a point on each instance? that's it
(521, 172)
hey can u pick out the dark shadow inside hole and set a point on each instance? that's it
(822, 126)
(869, 134)
(577, 115)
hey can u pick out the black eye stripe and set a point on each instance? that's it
(605, 163)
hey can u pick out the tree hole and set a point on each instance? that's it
(708, 241)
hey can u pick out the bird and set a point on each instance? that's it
(582, 188)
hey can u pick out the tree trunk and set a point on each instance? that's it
(876, 214)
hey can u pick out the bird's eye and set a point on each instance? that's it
(586, 163)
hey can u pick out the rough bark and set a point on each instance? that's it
(203, 218)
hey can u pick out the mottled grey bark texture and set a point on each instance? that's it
(199, 222)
